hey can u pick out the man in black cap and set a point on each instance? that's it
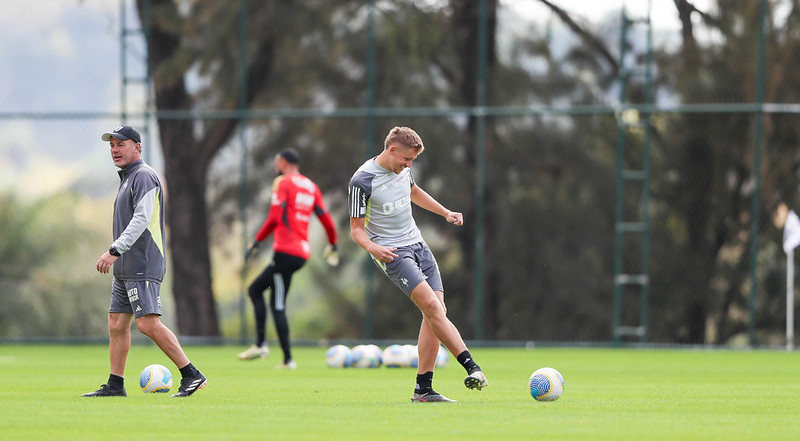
(138, 256)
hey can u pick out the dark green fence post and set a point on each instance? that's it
(759, 123)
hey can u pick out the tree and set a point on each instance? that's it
(194, 40)
(181, 43)
(549, 217)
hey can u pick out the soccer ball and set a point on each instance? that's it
(396, 356)
(546, 384)
(377, 353)
(366, 356)
(442, 357)
(413, 355)
(339, 356)
(155, 378)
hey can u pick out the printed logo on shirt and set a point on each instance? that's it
(390, 207)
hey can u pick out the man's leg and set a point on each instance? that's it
(285, 267)
(192, 379)
(435, 315)
(277, 304)
(428, 349)
(151, 326)
(428, 344)
(119, 335)
(256, 293)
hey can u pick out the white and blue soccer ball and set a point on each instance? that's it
(442, 357)
(396, 356)
(366, 356)
(155, 378)
(413, 355)
(339, 356)
(377, 353)
(546, 384)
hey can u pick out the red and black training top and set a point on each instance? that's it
(294, 199)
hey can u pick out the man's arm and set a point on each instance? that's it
(277, 205)
(142, 214)
(426, 201)
(324, 217)
(381, 253)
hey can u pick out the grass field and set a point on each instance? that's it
(611, 394)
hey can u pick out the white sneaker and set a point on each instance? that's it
(476, 380)
(254, 352)
(291, 365)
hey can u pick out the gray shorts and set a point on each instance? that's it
(137, 297)
(414, 265)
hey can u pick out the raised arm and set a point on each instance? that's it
(422, 199)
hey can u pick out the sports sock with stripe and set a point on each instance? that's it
(424, 383)
(466, 360)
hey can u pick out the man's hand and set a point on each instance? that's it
(105, 261)
(252, 250)
(455, 218)
(383, 254)
(331, 254)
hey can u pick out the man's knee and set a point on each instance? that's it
(148, 324)
(119, 323)
(427, 302)
(255, 292)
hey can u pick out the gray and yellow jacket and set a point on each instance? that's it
(139, 225)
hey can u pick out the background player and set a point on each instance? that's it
(294, 199)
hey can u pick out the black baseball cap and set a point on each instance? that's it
(123, 133)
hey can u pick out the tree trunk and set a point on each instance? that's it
(188, 155)
(188, 232)
(185, 199)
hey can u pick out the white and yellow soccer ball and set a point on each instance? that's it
(366, 356)
(377, 353)
(396, 356)
(546, 384)
(155, 378)
(442, 357)
(339, 356)
(413, 355)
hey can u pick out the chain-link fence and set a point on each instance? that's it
(618, 168)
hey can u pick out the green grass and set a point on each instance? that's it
(611, 394)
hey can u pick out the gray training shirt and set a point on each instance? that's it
(139, 225)
(383, 198)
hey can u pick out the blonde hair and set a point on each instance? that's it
(404, 136)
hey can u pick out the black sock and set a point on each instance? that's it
(424, 383)
(116, 381)
(469, 364)
(188, 370)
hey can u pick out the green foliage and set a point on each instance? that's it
(549, 203)
(47, 254)
(610, 395)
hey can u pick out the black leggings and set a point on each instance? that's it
(277, 276)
